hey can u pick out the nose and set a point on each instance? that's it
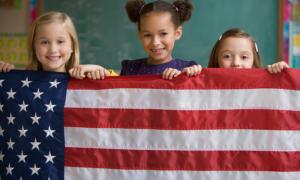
(236, 62)
(155, 40)
(53, 47)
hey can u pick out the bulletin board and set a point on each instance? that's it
(13, 48)
(16, 17)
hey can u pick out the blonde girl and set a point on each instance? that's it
(53, 46)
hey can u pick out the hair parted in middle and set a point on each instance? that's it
(180, 10)
(234, 32)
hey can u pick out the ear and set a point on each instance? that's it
(140, 35)
(178, 33)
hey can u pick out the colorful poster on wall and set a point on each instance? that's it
(13, 48)
(295, 44)
(291, 32)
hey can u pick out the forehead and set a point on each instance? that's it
(52, 29)
(241, 43)
(156, 20)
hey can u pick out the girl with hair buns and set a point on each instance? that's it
(159, 25)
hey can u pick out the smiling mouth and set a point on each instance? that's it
(157, 51)
(53, 58)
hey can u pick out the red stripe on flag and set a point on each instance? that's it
(209, 78)
(182, 120)
(183, 160)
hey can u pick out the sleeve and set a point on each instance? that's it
(124, 67)
(193, 63)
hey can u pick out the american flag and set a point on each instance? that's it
(222, 124)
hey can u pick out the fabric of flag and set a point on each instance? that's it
(222, 124)
(31, 125)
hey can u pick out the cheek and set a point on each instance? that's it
(66, 49)
(145, 43)
(39, 50)
(250, 63)
(222, 63)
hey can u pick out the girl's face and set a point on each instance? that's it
(53, 46)
(236, 52)
(158, 34)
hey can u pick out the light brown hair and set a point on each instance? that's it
(235, 32)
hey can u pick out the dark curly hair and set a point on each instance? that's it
(180, 10)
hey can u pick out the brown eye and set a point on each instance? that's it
(244, 57)
(44, 42)
(163, 33)
(226, 56)
(61, 42)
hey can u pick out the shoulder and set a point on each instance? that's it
(180, 63)
(190, 62)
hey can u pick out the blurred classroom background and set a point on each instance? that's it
(107, 36)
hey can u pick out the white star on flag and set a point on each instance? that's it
(35, 144)
(37, 94)
(1, 107)
(22, 132)
(49, 158)
(1, 156)
(9, 169)
(35, 118)
(54, 83)
(10, 119)
(1, 81)
(50, 106)
(23, 107)
(1, 131)
(26, 82)
(10, 144)
(35, 170)
(22, 157)
(49, 132)
(11, 94)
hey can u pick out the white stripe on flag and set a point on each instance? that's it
(97, 173)
(256, 140)
(185, 99)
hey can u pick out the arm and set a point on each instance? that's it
(90, 71)
(277, 67)
(6, 67)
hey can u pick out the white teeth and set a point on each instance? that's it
(156, 50)
(53, 57)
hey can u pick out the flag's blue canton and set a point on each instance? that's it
(31, 125)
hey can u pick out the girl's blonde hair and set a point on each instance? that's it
(235, 32)
(48, 18)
